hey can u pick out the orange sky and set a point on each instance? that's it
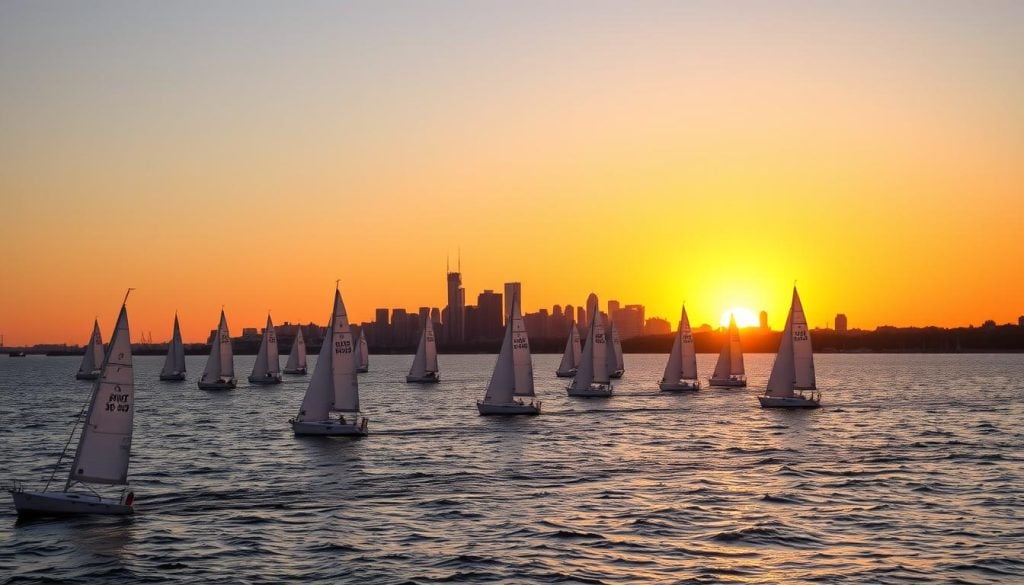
(649, 152)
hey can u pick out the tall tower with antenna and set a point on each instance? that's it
(455, 326)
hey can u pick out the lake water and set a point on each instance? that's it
(912, 471)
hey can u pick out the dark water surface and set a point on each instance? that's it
(913, 471)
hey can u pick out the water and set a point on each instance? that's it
(913, 470)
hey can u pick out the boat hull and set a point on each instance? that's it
(594, 391)
(788, 402)
(329, 428)
(566, 374)
(296, 372)
(679, 386)
(218, 385)
(267, 381)
(65, 503)
(173, 377)
(728, 382)
(362, 370)
(87, 375)
(508, 408)
(616, 374)
(428, 379)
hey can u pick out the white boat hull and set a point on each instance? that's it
(428, 379)
(266, 381)
(173, 377)
(218, 385)
(789, 402)
(680, 386)
(728, 382)
(594, 391)
(88, 375)
(65, 503)
(330, 428)
(296, 372)
(566, 374)
(507, 408)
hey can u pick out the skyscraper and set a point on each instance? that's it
(512, 288)
(764, 320)
(489, 315)
(455, 324)
(841, 324)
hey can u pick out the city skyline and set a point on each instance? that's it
(654, 152)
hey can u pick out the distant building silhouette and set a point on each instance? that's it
(764, 320)
(657, 326)
(629, 321)
(537, 324)
(1020, 321)
(581, 318)
(489, 309)
(454, 324)
(612, 307)
(841, 325)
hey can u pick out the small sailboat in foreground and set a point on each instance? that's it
(220, 366)
(266, 369)
(363, 354)
(571, 355)
(104, 444)
(729, 369)
(93, 358)
(513, 372)
(424, 366)
(793, 371)
(174, 364)
(681, 370)
(296, 363)
(592, 376)
(613, 357)
(333, 386)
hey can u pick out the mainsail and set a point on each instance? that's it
(513, 372)
(297, 356)
(613, 357)
(794, 364)
(730, 361)
(426, 353)
(105, 443)
(174, 363)
(593, 351)
(268, 360)
(571, 355)
(682, 361)
(334, 385)
(221, 363)
(93, 358)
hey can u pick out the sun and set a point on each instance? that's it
(744, 317)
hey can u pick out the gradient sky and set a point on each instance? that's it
(249, 153)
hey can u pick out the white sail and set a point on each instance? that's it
(794, 364)
(571, 355)
(730, 361)
(93, 358)
(333, 385)
(513, 371)
(426, 352)
(364, 351)
(268, 360)
(104, 445)
(297, 356)
(221, 363)
(592, 369)
(174, 363)
(613, 355)
(674, 367)
(688, 350)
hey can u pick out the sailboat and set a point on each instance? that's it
(424, 365)
(729, 369)
(174, 364)
(793, 371)
(93, 358)
(681, 369)
(296, 363)
(333, 386)
(513, 372)
(591, 378)
(220, 366)
(267, 368)
(571, 355)
(363, 354)
(613, 357)
(104, 444)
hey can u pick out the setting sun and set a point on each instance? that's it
(744, 317)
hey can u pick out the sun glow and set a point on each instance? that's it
(744, 317)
